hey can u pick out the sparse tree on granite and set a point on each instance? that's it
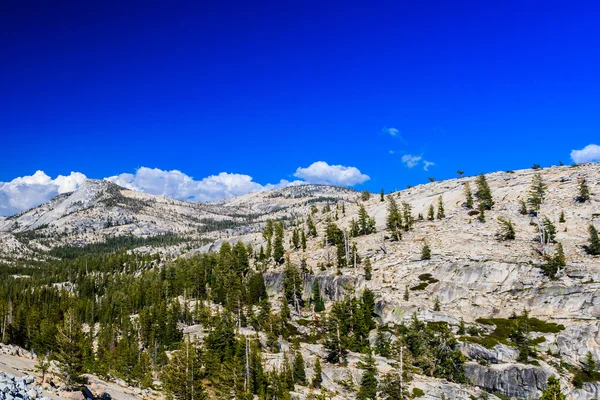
(484, 193)
(431, 213)
(537, 192)
(594, 246)
(468, 196)
(441, 213)
(425, 252)
(507, 229)
(584, 191)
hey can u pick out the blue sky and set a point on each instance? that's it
(264, 88)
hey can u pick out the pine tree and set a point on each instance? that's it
(437, 306)
(407, 217)
(394, 219)
(481, 216)
(183, 375)
(381, 195)
(441, 214)
(317, 376)
(368, 269)
(69, 355)
(484, 193)
(368, 383)
(460, 173)
(584, 191)
(426, 252)
(507, 229)
(468, 196)
(553, 391)
(549, 230)
(295, 239)
(365, 195)
(311, 228)
(292, 285)
(278, 249)
(594, 246)
(303, 240)
(317, 300)
(431, 213)
(299, 372)
(366, 224)
(589, 364)
(537, 192)
(391, 387)
(523, 207)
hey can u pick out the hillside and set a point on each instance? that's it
(470, 295)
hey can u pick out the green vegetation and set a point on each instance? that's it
(594, 241)
(514, 331)
(115, 244)
(507, 229)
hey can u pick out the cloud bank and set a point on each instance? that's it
(30, 191)
(589, 153)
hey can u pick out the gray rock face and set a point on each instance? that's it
(12, 387)
(512, 380)
(588, 392)
(499, 354)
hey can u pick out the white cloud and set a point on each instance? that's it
(30, 191)
(411, 160)
(427, 164)
(178, 185)
(323, 173)
(390, 131)
(589, 153)
(392, 152)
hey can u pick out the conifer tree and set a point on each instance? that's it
(584, 191)
(481, 216)
(523, 207)
(460, 173)
(381, 195)
(589, 364)
(316, 299)
(426, 252)
(368, 269)
(311, 228)
(182, 377)
(549, 230)
(303, 240)
(431, 213)
(368, 383)
(295, 239)
(391, 387)
(441, 213)
(317, 376)
(292, 285)
(484, 193)
(594, 247)
(468, 196)
(561, 217)
(394, 219)
(537, 191)
(507, 229)
(365, 195)
(278, 249)
(553, 391)
(366, 224)
(299, 372)
(407, 216)
(69, 350)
